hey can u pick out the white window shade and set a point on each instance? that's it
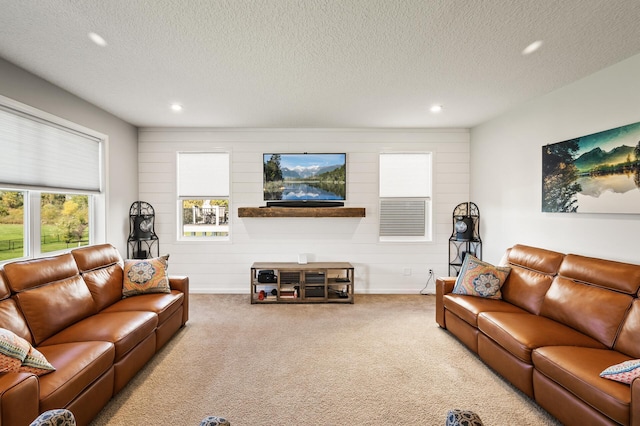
(38, 153)
(405, 175)
(405, 196)
(203, 174)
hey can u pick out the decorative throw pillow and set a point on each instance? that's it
(478, 278)
(16, 354)
(145, 276)
(13, 350)
(36, 363)
(624, 372)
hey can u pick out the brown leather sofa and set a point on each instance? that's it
(561, 321)
(70, 308)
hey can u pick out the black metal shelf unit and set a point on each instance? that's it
(465, 238)
(143, 241)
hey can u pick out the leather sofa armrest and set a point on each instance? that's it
(635, 402)
(444, 285)
(181, 283)
(19, 398)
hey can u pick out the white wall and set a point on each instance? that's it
(122, 153)
(506, 168)
(380, 267)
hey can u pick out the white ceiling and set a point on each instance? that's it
(315, 63)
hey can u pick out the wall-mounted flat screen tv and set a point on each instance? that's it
(305, 177)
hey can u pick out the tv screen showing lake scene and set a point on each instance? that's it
(305, 177)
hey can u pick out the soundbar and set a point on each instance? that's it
(303, 203)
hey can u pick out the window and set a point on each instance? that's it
(50, 180)
(203, 195)
(405, 197)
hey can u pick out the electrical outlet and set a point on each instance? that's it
(430, 271)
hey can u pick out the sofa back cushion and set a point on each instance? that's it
(102, 269)
(10, 316)
(12, 319)
(532, 271)
(593, 310)
(26, 274)
(50, 293)
(4, 288)
(609, 274)
(51, 308)
(628, 340)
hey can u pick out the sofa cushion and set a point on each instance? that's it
(520, 334)
(79, 364)
(536, 259)
(628, 341)
(51, 308)
(532, 271)
(468, 308)
(478, 278)
(26, 274)
(11, 318)
(145, 276)
(164, 305)
(105, 285)
(94, 257)
(594, 311)
(124, 329)
(618, 276)
(577, 370)
(5, 292)
(101, 268)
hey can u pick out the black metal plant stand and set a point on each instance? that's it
(143, 241)
(465, 238)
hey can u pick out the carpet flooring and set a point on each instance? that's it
(382, 360)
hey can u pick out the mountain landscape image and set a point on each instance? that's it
(304, 177)
(597, 173)
(596, 158)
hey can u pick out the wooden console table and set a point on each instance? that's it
(315, 282)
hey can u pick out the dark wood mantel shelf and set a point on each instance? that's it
(301, 212)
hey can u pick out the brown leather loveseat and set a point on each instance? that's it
(561, 321)
(70, 308)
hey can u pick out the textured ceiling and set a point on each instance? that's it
(315, 63)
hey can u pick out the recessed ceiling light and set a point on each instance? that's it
(176, 107)
(97, 39)
(436, 108)
(532, 47)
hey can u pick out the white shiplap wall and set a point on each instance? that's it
(223, 267)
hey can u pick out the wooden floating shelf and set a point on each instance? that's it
(301, 211)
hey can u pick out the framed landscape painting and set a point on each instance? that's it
(597, 173)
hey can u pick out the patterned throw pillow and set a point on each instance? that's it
(16, 354)
(145, 276)
(36, 363)
(13, 350)
(457, 417)
(478, 278)
(624, 372)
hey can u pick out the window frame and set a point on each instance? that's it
(181, 196)
(97, 198)
(385, 193)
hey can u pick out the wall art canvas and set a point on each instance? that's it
(597, 173)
